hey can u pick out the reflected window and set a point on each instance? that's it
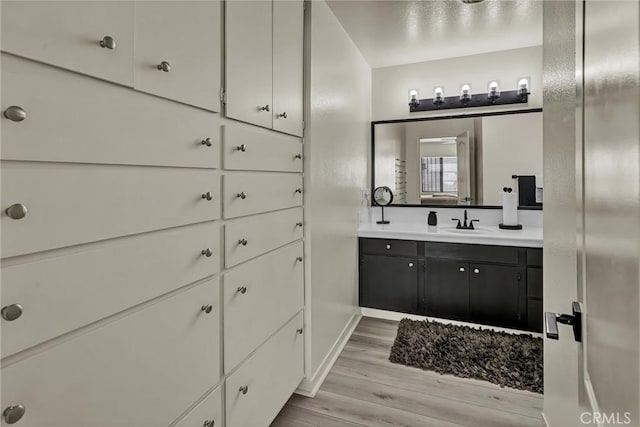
(439, 174)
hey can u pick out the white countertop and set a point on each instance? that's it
(529, 236)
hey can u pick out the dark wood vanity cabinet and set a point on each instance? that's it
(493, 285)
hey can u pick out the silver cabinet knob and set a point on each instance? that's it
(164, 66)
(244, 389)
(206, 308)
(11, 312)
(208, 142)
(475, 270)
(13, 414)
(388, 246)
(298, 224)
(298, 156)
(241, 195)
(299, 259)
(461, 269)
(242, 148)
(300, 331)
(283, 115)
(209, 423)
(243, 242)
(242, 289)
(207, 252)
(16, 211)
(108, 42)
(410, 264)
(207, 195)
(299, 190)
(265, 108)
(15, 113)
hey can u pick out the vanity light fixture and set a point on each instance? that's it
(414, 99)
(523, 87)
(465, 93)
(493, 90)
(438, 96)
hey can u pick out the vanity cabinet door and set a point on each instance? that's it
(389, 283)
(495, 294)
(446, 289)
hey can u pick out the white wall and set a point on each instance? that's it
(337, 146)
(510, 145)
(390, 85)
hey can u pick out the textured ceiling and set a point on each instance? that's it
(402, 32)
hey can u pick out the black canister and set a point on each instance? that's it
(432, 219)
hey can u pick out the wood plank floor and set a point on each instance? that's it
(365, 389)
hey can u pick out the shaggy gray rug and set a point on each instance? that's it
(508, 360)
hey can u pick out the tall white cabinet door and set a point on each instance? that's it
(288, 18)
(249, 62)
(68, 34)
(178, 51)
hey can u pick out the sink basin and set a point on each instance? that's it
(476, 231)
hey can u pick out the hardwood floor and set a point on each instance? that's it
(365, 389)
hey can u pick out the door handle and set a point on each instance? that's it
(574, 320)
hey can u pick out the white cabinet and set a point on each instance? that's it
(288, 36)
(246, 194)
(68, 34)
(207, 413)
(177, 50)
(264, 60)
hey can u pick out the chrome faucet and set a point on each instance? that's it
(467, 224)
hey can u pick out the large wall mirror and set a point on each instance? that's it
(460, 161)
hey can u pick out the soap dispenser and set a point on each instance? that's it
(432, 220)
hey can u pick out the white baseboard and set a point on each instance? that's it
(393, 315)
(309, 387)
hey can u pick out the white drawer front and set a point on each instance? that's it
(60, 294)
(105, 123)
(247, 148)
(67, 34)
(254, 193)
(252, 291)
(141, 370)
(73, 204)
(208, 413)
(187, 36)
(249, 237)
(271, 375)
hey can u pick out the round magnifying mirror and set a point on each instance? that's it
(382, 196)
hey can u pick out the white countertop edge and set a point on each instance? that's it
(531, 238)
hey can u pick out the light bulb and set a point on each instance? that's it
(493, 90)
(465, 93)
(438, 95)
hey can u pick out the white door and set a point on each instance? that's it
(464, 153)
(249, 54)
(288, 17)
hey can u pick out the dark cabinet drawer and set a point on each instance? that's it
(534, 315)
(534, 282)
(389, 283)
(474, 253)
(389, 247)
(534, 257)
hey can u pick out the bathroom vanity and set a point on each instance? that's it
(490, 276)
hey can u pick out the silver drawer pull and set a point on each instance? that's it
(283, 115)
(208, 142)
(164, 66)
(475, 270)
(300, 331)
(298, 156)
(410, 264)
(243, 242)
(13, 414)
(265, 108)
(242, 289)
(207, 195)
(299, 259)
(388, 246)
(462, 269)
(241, 195)
(12, 312)
(16, 211)
(206, 308)
(299, 190)
(244, 389)
(108, 42)
(15, 113)
(207, 252)
(242, 148)
(298, 224)
(209, 423)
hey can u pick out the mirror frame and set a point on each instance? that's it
(424, 119)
